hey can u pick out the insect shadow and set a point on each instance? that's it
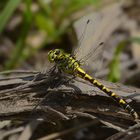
(54, 82)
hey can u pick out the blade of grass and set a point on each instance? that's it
(7, 12)
(76, 5)
(115, 74)
(135, 40)
(20, 45)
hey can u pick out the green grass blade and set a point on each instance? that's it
(7, 12)
(135, 40)
(114, 74)
(17, 54)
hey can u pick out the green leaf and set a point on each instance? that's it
(135, 40)
(75, 5)
(115, 74)
(46, 24)
(7, 12)
(17, 54)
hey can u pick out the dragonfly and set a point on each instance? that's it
(69, 64)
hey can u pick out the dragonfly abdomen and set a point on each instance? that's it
(81, 73)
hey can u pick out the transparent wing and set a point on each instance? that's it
(93, 61)
(89, 52)
(85, 32)
(100, 27)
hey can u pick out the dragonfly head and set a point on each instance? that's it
(54, 55)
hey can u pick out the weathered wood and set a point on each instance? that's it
(20, 95)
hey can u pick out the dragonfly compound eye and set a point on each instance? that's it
(50, 52)
(57, 52)
(51, 56)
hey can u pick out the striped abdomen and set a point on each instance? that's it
(113, 95)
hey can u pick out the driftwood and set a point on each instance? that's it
(27, 97)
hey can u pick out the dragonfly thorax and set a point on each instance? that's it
(65, 62)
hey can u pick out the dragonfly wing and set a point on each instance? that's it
(100, 27)
(85, 35)
(93, 61)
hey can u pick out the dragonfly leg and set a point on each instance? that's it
(70, 79)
